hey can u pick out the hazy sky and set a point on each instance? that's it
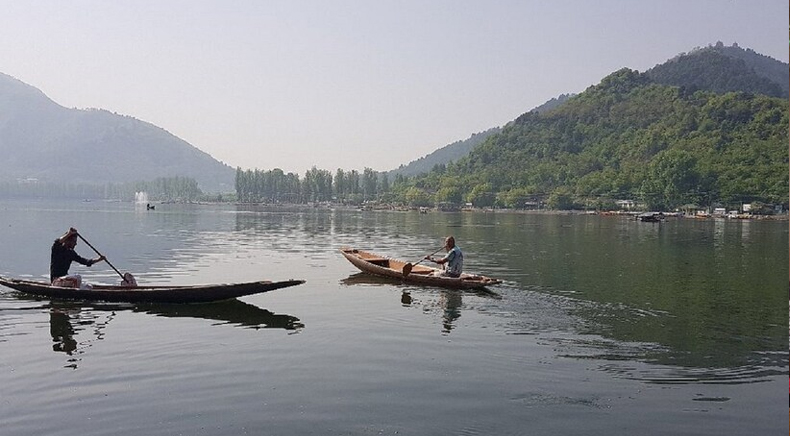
(351, 84)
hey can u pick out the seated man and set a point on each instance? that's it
(60, 260)
(453, 261)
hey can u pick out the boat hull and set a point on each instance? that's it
(372, 263)
(148, 294)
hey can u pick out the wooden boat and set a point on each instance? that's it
(420, 274)
(148, 294)
(651, 217)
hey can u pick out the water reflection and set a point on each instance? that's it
(685, 293)
(367, 279)
(449, 301)
(75, 328)
(68, 321)
(231, 312)
(62, 332)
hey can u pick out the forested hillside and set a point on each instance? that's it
(724, 69)
(631, 138)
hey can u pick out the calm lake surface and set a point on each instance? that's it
(603, 326)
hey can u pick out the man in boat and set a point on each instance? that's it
(61, 257)
(453, 261)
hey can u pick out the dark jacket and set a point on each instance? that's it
(61, 259)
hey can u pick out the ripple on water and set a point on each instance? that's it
(665, 375)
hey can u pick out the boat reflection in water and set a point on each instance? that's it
(449, 300)
(367, 279)
(232, 312)
(70, 321)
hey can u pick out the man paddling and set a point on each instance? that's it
(453, 261)
(60, 260)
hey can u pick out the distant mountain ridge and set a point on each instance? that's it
(444, 155)
(45, 141)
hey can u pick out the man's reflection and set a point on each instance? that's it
(450, 302)
(62, 332)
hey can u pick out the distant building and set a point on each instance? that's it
(625, 204)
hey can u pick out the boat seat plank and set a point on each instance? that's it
(378, 261)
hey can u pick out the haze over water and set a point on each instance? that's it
(604, 325)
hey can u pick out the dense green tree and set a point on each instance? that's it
(417, 197)
(518, 198)
(369, 184)
(482, 195)
(448, 195)
(561, 198)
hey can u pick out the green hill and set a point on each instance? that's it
(722, 69)
(630, 138)
(716, 68)
(456, 150)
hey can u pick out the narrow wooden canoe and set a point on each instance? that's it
(148, 294)
(420, 274)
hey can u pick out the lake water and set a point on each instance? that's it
(603, 326)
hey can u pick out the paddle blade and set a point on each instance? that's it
(407, 269)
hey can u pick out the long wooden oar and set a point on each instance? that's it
(105, 259)
(407, 268)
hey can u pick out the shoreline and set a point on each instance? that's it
(423, 210)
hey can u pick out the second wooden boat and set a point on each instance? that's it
(375, 264)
